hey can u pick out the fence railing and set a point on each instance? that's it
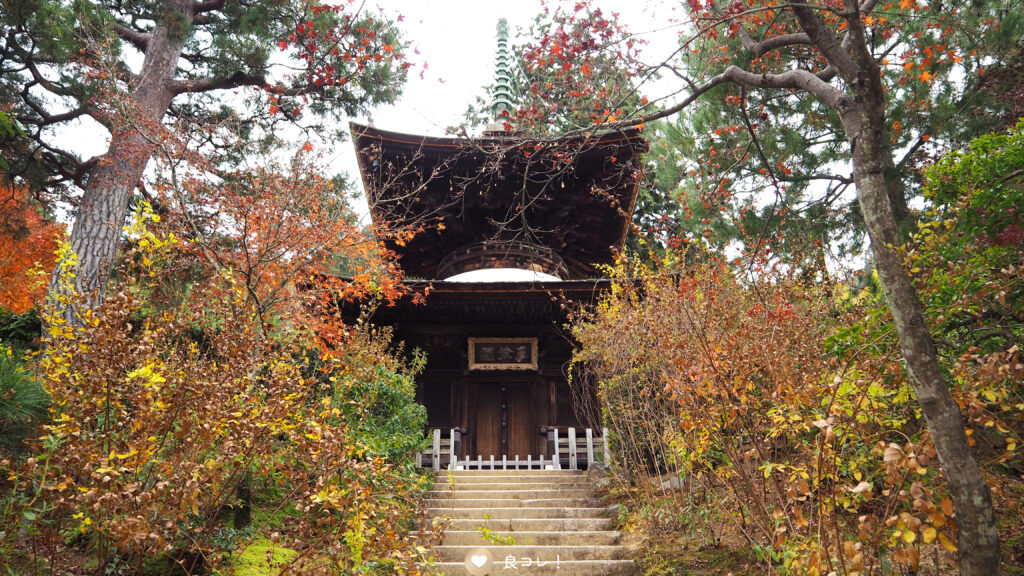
(567, 449)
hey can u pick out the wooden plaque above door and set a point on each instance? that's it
(502, 353)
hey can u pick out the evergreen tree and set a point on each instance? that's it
(753, 166)
(215, 76)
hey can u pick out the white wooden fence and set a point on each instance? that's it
(567, 448)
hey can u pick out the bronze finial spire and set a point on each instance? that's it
(502, 103)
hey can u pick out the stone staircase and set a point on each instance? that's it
(525, 522)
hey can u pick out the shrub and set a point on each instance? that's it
(161, 423)
(23, 402)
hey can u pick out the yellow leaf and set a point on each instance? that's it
(929, 535)
(909, 536)
(946, 543)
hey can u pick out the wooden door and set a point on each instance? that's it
(521, 415)
(488, 421)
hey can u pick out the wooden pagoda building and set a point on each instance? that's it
(496, 378)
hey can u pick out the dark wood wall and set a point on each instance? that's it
(502, 411)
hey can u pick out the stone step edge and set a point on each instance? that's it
(532, 538)
(537, 532)
(568, 567)
(587, 508)
(514, 502)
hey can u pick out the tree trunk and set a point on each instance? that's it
(978, 539)
(96, 235)
(242, 517)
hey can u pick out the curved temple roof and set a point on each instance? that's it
(573, 196)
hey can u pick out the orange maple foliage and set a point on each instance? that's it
(278, 228)
(26, 239)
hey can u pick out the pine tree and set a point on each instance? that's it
(209, 74)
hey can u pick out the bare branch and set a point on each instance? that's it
(201, 10)
(44, 82)
(910, 153)
(825, 41)
(816, 176)
(768, 44)
(207, 6)
(797, 79)
(208, 84)
(139, 40)
(858, 51)
(45, 118)
(867, 6)
(776, 42)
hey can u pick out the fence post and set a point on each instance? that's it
(590, 448)
(436, 454)
(572, 449)
(453, 459)
(558, 453)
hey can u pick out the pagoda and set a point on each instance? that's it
(546, 211)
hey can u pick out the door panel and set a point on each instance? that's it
(522, 421)
(488, 421)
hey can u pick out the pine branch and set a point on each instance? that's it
(224, 83)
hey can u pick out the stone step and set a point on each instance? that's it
(551, 516)
(510, 493)
(518, 512)
(562, 568)
(513, 525)
(551, 554)
(540, 538)
(458, 501)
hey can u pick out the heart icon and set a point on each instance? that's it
(478, 561)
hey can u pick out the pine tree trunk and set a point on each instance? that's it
(96, 235)
(978, 539)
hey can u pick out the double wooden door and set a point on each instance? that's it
(506, 420)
